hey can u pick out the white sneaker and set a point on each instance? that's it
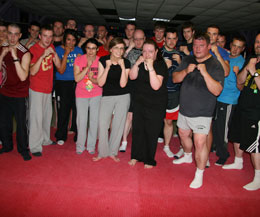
(187, 158)
(123, 146)
(237, 165)
(168, 152)
(60, 142)
(160, 140)
(179, 153)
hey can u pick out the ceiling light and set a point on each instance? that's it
(160, 19)
(127, 19)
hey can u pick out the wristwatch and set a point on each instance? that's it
(256, 74)
(16, 60)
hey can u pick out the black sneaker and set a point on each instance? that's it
(37, 154)
(5, 150)
(26, 156)
(221, 161)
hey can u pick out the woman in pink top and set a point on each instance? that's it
(88, 96)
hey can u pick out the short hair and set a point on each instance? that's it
(188, 24)
(70, 32)
(130, 23)
(214, 26)
(115, 41)
(15, 25)
(222, 34)
(171, 30)
(71, 19)
(35, 23)
(58, 21)
(46, 27)
(239, 37)
(202, 36)
(2, 23)
(160, 25)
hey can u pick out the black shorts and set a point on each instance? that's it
(244, 131)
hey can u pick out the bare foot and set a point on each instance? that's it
(96, 158)
(132, 162)
(116, 159)
(147, 166)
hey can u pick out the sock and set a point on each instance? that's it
(198, 179)
(238, 164)
(255, 184)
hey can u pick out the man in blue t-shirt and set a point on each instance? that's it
(227, 100)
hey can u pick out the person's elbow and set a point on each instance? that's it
(218, 90)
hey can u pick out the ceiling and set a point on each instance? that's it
(230, 15)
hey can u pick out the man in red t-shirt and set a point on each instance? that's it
(14, 85)
(41, 81)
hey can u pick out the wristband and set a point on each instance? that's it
(16, 60)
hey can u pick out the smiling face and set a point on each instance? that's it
(118, 50)
(257, 45)
(34, 31)
(159, 34)
(91, 49)
(89, 31)
(58, 29)
(3, 33)
(70, 41)
(149, 52)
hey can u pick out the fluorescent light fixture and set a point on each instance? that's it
(127, 19)
(160, 19)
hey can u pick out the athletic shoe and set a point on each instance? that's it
(187, 158)
(168, 152)
(160, 140)
(123, 146)
(60, 142)
(179, 153)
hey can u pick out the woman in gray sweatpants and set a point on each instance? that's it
(113, 76)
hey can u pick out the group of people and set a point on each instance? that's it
(105, 85)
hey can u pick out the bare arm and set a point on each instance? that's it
(103, 72)
(134, 70)
(224, 63)
(155, 80)
(213, 86)
(178, 77)
(22, 68)
(124, 73)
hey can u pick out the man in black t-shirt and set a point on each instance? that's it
(245, 125)
(202, 78)
(188, 32)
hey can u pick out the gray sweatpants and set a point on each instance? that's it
(118, 104)
(40, 113)
(83, 106)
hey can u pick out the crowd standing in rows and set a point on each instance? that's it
(111, 84)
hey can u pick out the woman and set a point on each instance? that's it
(151, 74)
(65, 84)
(88, 95)
(112, 76)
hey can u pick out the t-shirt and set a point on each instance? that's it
(10, 83)
(159, 44)
(85, 88)
(249, 100)
(112, 86)
(168, 55)
(144, 93)
(133, 55)
(102, 52)
(223, 53)
(195, 98)
(43, 80)
(230, 92)
(68, 75)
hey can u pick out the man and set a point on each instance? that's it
(221, 41)
(159, 30)
(188, 32)
(223, 57)
(173, 59)
(132, 54)
(244, 129)
(227, 100)
(3, 33)
(58, 30)
(33, 30)
(129, 32)
(202, 78)
(41, 82)
(89, 32)
(71, 24)
(102, 34)
(14, 85)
